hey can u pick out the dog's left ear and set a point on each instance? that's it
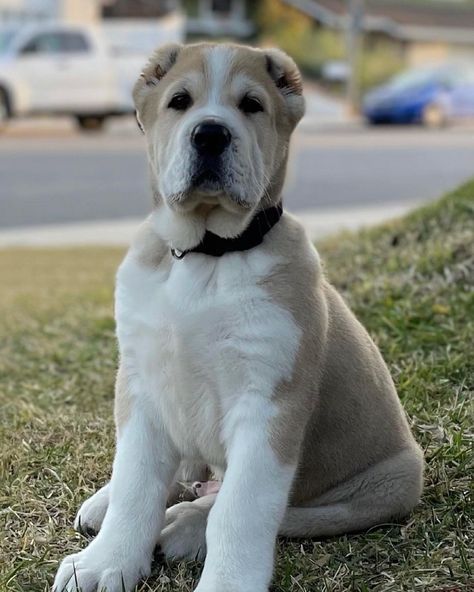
(287, 78)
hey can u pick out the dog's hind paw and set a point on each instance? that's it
(184, 536)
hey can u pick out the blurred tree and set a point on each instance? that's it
(312, 44)
(306, 41)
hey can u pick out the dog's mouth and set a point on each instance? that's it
(209, 186)
(207, 180)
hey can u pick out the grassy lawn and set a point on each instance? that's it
(412, 284)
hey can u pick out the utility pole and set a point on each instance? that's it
(354, 51)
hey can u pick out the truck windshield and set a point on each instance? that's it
(6, 37)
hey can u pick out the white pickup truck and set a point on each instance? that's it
(82, 71)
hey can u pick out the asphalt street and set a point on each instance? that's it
(68, 177)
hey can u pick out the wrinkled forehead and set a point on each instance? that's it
(220, 70)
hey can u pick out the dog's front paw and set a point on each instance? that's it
(184, 536)
(92, 512)
(101, 568)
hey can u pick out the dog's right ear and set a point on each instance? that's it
(160, 62)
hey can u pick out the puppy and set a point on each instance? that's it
(235, 352)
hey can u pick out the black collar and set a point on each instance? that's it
(252, 236)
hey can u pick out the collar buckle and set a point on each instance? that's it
(177, 254)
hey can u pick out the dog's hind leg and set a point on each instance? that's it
(184, 535)
(386, 491)
(91, 514)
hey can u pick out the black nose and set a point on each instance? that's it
(210, 139)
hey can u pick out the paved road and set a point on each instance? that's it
(47, 180)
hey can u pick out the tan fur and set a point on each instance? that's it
(359, 421)
(295, 284)
(339, 380)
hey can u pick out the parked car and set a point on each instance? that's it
(76, 70)
(431, 96)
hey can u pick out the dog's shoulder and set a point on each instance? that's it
(147, 259)
(147, 253)
(290, 243)
(148, 248)
(297, 280)
(299, 272)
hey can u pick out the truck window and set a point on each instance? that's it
(74, 42)
(60, 42)
(42, 43)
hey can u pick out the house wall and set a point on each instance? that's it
(419, 53)
(85, 11)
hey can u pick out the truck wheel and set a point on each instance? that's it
(90, 123)
(434, 116)
(4, 109)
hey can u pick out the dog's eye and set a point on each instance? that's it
(180, 102)
(250, 105)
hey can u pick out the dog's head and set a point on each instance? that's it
(218, 119)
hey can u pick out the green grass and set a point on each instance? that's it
(411, 282)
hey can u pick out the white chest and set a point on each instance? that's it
(200, 336)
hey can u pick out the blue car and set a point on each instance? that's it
(430, 96)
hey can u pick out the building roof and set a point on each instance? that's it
(404, 19)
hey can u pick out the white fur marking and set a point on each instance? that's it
(219, 63)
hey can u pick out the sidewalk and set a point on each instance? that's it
(324, 110)
(317, 222)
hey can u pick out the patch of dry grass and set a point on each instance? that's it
(410, 282)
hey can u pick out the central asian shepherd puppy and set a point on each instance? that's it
(237, 357)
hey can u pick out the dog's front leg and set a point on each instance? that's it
(121, 554)
(243, 523)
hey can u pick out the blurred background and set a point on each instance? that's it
(389, 123)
